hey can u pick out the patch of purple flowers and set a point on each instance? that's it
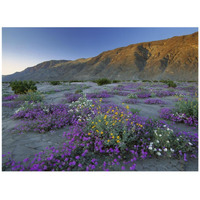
(143, 95)
(10, 98)
(167, 113)
(103, 94)
(154, 101)
(131, 101)
(164, 93)
(70, 97)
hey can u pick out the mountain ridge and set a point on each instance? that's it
(175, 58)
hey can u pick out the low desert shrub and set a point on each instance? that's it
(171, 84)
(189, 107)
(55, 82)
(166, 143)
(135, 111)
(78, 91)
(132, 96)
(103, 81)
(116, 81)
(31, 96)
(22, 87)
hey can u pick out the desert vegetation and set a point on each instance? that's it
(99, 126)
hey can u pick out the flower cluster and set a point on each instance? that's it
(10, 98)
(70, 97)
(41, 118)
(164, 93)
(143, 95)
(154, 101)
(13, 104)
(167, 113)
(103, 94)
(166, 143)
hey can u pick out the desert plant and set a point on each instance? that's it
(153, 95)
(103, 81)
(116, 81)
(146, 81)
(78, 91)
(55, 82)
(171, 84)
(22, 87)
(132, 96)
(189, 108)
(134, 110)
(31, 96)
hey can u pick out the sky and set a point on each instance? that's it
(26, 47)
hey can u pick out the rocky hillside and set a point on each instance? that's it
(175, 58)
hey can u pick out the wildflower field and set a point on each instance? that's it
(86, 126)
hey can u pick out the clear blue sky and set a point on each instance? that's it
(26, 47)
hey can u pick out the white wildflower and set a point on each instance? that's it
(165, 149)
(190, 143)
(172, 150)
(158, 153)
(150, 148)
(157, 141)
(155, 149)
(159, 149)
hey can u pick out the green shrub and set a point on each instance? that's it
(166, 143)
(190, 107)
(78, 91)
(55, 82)
(31, 96)
(146, 81)
(22, 87)
(153, 95)
(103, 81)
(116, 81)
(171, 84)
(132, 96)
(134, 110)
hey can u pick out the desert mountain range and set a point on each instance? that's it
(175, 58)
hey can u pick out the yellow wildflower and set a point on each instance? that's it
(127, 107)
(101, 132)
(89, 133)
(108, 140)
(97, 131)
(118, 141)
(113, 137)
(111, 134)
(118, 137)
